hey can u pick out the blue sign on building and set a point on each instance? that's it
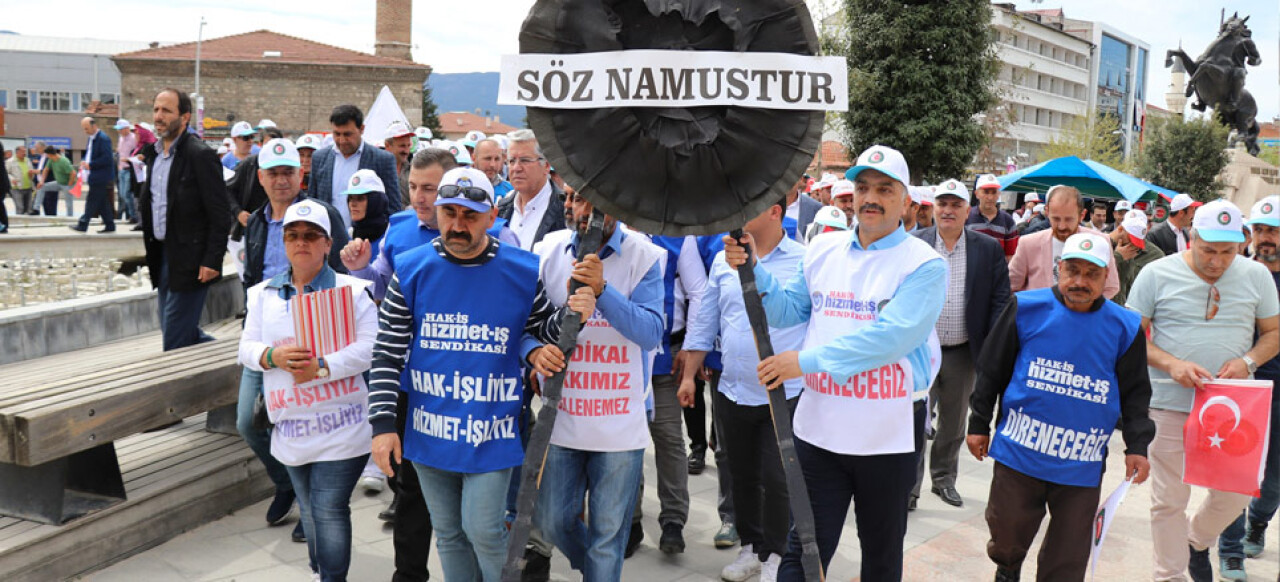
(62, 143)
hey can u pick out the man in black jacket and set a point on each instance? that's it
(977, 292)
(245, 189)
(185, 220)
(536, 207)
(1171, 236)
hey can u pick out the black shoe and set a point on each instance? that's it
(537, 567)
(389, 514)
(1003, 575)
(949, 496)
(672, 540)
(697, 462)
(280, 507)
(298, 536)
(106, 230)
(912, 503)
(1199, 567)
(633, 540)
(137, 227)
(78, 229)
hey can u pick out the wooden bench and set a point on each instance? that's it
(60, 416)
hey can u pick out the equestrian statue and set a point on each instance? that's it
(1217, 78)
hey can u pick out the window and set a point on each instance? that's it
(107, 98)
(85, 100)
(22, 99)
(48, 100)
(4, 98)
(64, 101)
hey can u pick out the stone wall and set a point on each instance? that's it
(298, 98)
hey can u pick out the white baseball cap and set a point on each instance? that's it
(460, 154)
(986, 181)
(1123, 205)
(398, 128)
(1089, 246)
(952, 188)
(1266, 211)
(278, 152)
(885, 160)
(1032, 197)
(842, 188)
(422, 133)
(1135, 224)
(241, 129)
(222, 150)
(916, 194)
(472, 138)
(828, 180)
(147, 126)
(308, 211)
(1180, 202)
(265, 123)
(1218, 221)
(123, 124)
(927, 194)
(831, 217)
(308, 140)
(226, 141)
(458, 182)
(364, 182)
(502, 140)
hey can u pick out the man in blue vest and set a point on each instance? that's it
(1060, 398)
(459, 316)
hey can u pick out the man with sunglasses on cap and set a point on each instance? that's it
(870, 298)
(1035, 339)
(460, 316)
(1200, 307)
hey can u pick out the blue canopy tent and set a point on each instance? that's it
(1092, 178)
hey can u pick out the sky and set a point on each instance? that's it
(471, 36)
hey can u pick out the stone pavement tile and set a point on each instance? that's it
(199, 559)
(275, 541)
(278, 573)
(145, 566)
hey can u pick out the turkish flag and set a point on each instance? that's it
(1226, 436)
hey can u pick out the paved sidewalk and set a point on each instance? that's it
(943, 543)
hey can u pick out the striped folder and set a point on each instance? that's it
(324, 321)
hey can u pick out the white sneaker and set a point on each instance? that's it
(315, 577)
(373, 484)
(743, 567)
(769, 568)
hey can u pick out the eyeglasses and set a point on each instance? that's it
(308, 236)
(1211, 304)
(524, 161)
(469, 192)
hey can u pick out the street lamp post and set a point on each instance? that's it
(199, 117)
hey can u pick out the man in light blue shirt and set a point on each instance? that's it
(871, 298)
(743, 417)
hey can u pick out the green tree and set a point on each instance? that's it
(430, 120)
(1185, 156)
(1090, 137)
(918, 74)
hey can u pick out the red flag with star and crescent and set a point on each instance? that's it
(1226, 436)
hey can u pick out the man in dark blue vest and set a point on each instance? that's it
(458, 319)
(1060, 398)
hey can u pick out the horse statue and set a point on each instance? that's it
(1217, 78)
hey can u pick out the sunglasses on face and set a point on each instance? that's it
(471, 193)
(308, 236)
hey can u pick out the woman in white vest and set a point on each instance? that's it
(871, 298)
(597, 446)
(316, 404)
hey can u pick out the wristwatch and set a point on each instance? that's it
(1249, 363)
(323, 371)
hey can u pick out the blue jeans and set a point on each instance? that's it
(467, 516)
(1262, 509)
(612, 479)
(324, 496)
(259, 440)
(124, 191)
(180, 313)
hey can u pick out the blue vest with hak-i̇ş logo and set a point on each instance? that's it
(1061, 405)
(463, 372)
(405, 233)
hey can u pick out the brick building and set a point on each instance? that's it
(454, 125)
(262, 74)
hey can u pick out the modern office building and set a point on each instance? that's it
(1119, 64)
(47, 83)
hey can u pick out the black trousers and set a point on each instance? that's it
(411, 533)
(877, 485)
(761, 503)
(695, 418)
(98, 203)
